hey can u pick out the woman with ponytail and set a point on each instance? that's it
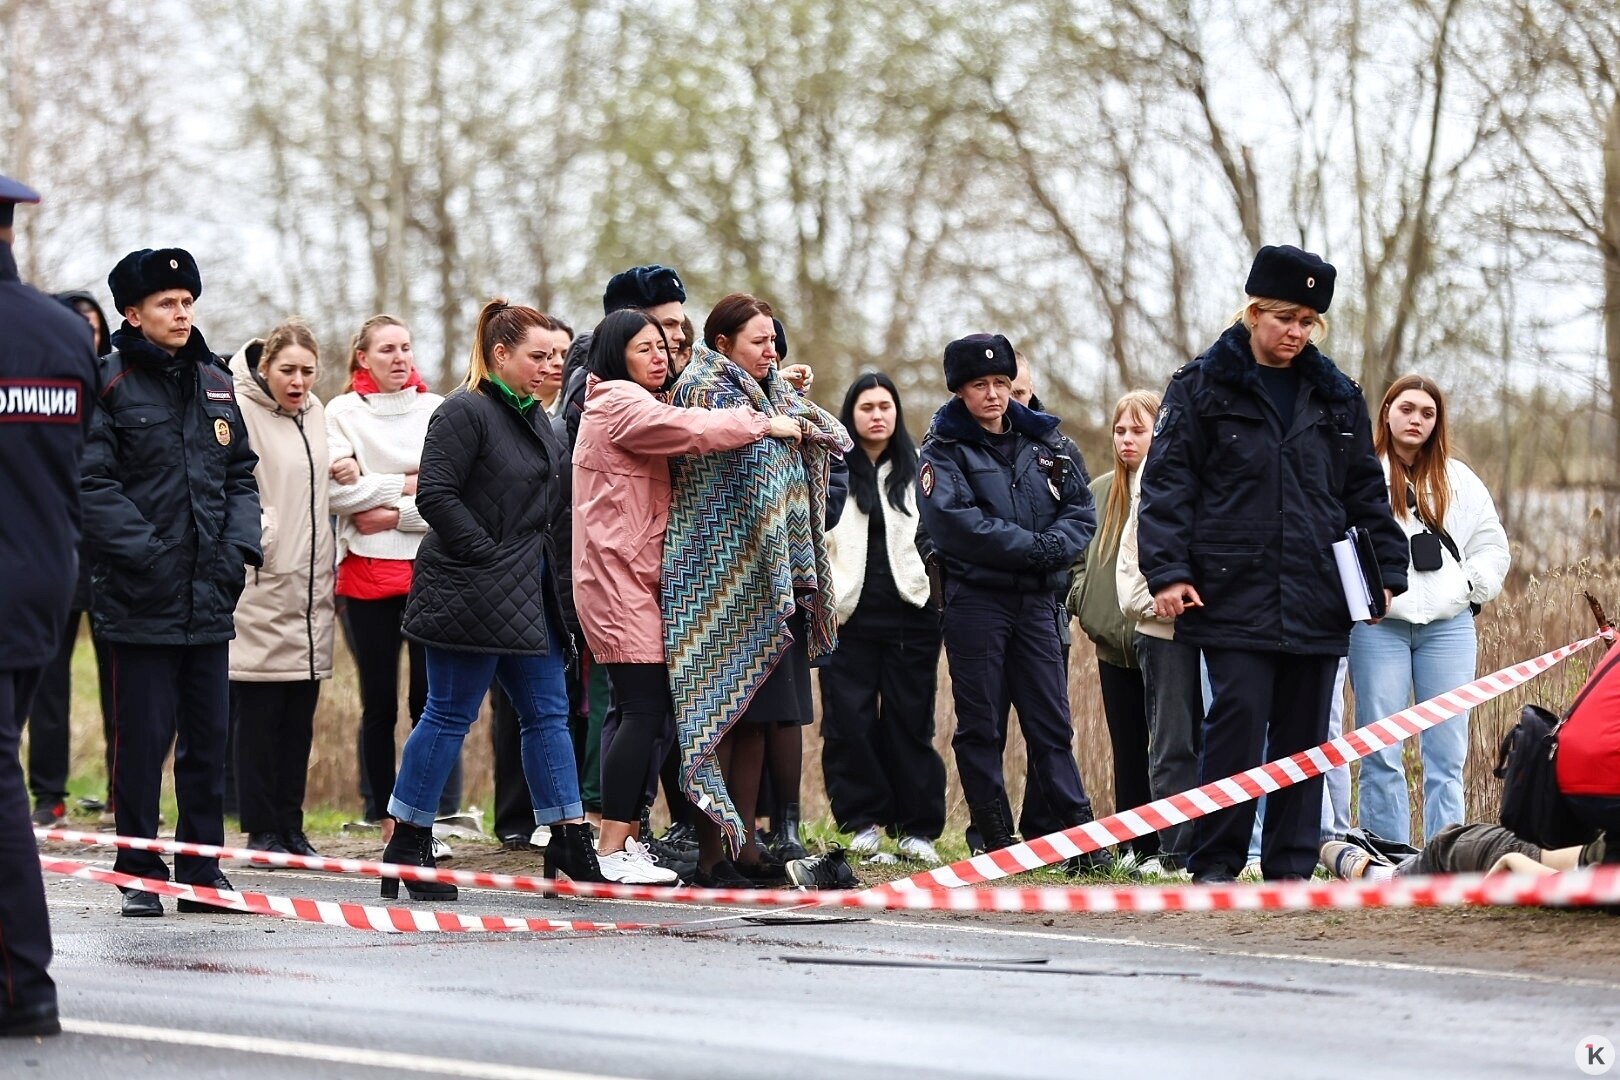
(1094, 600)
(484, 604)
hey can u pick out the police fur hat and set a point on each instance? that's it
(978, 355)
(1288, 273)
(781, 339)
(642, 287)
(142, 273)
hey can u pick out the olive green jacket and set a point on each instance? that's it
(1093, 597)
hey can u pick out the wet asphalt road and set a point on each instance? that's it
(896, 995)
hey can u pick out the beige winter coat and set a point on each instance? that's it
(284, 619)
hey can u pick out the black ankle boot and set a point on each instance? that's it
(992, 825)
(572, 853)
(789, 844)
(412, 845)
(1092, 862)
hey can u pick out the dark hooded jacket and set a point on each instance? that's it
(103, 346)
(1009, 512)
(1247, 512)
(171, 509)
(490, 488)
(78, 296)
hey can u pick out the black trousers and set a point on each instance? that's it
(877, 727)
(163, 695)
(275, 727)
(1001, 643)
(1266, 703)
(373, 630)
(1125, 711)
(634, 753)
(514, 809)
(48, 719)
(25, 928)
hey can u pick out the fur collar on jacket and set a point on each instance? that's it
(1230, 360)
(954, 423)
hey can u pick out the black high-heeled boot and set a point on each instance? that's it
(412, 845)
(572, 853)
(789, 844)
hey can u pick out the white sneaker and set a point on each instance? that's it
(635, 866)
(916, 847)
(867, 841)
(1251, 872)
(1155, 868)
(442, 851)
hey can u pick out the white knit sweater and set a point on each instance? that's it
(384, 433)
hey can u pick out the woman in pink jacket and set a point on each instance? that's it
(621, 505)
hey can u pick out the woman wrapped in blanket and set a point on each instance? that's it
(747, 587)
(621, 505)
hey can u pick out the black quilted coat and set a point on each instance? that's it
(489, 485)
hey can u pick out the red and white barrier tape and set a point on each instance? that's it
(331, 913)
(930, 890)
(1229, 791)
(1577, 888)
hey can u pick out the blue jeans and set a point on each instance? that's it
(457, 683)
(1388, 664)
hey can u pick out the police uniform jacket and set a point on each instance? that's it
(171, 508)
(1011, 513)
(490, 489)
(47, 386)
(1247, 512)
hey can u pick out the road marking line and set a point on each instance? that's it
(337, 1055)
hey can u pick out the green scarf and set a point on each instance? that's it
(521, 404)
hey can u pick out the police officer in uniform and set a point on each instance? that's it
(47, 381)
(1262, 457)
(171, 512)
(1006, 512)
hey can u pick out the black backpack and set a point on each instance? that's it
(1533, 808)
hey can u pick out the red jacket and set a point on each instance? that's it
(1589, 742)
(621, 507)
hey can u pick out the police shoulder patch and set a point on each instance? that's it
(925, 479)
(1166, 419)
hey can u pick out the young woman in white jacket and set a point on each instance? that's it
(877, 689)
(283, 644)
(1426, 644)
(376, 431)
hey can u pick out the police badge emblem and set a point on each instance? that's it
(222, 432)
(926, 479)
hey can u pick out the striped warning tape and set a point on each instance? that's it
(331, 913)
(930, 890)
(1578, 888)
(1232, 790)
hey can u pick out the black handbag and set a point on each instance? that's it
(1533, 808)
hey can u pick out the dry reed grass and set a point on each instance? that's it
(1534, 614)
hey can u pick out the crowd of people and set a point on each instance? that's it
(639, 541)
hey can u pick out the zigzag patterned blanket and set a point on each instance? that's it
(745, 538)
